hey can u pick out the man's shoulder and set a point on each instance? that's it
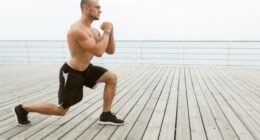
(76, 32)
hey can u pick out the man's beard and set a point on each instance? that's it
(93, 17)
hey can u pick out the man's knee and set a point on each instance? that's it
(112, 78)
(61, 111)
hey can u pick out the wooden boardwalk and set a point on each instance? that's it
(157, 102)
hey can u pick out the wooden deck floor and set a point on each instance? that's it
(157, 102)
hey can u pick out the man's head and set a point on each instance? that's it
(90, 8)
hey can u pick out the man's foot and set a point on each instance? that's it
(109, 118)
(21, 115)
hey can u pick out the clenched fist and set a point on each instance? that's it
(106, 27)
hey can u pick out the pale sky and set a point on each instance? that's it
(135, 19)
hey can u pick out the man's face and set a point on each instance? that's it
(94, 10)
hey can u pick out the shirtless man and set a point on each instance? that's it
(84, 43)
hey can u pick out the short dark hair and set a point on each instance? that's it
(88, 2)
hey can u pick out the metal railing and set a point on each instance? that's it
(226, 53)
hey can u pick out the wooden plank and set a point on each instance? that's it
(240, 93)
(155, 123)
(224, 126)
(168, 125)
(244, 99)
(244, 83)
(247, 81)
(228, 103)
(141, 123)
(133, 114)
(210, 125)
(21, 80)
(27, 93)
(183, 124)
(196, 124)
(8, 107)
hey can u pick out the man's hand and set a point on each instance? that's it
(107, 27)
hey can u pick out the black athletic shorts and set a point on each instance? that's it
(72, 82)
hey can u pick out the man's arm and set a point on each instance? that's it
(111, 44)
(103, 43)
(88, 43)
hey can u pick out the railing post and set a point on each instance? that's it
(27, 51)
(142, 57)
(183, 45)
(63, 49)
(228, 52)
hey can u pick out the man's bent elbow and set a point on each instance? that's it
(99, 54)
(110, 52)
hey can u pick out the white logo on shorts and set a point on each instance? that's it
(65, 75)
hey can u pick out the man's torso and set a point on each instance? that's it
(80, 58)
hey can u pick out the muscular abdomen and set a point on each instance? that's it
(80, 58)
